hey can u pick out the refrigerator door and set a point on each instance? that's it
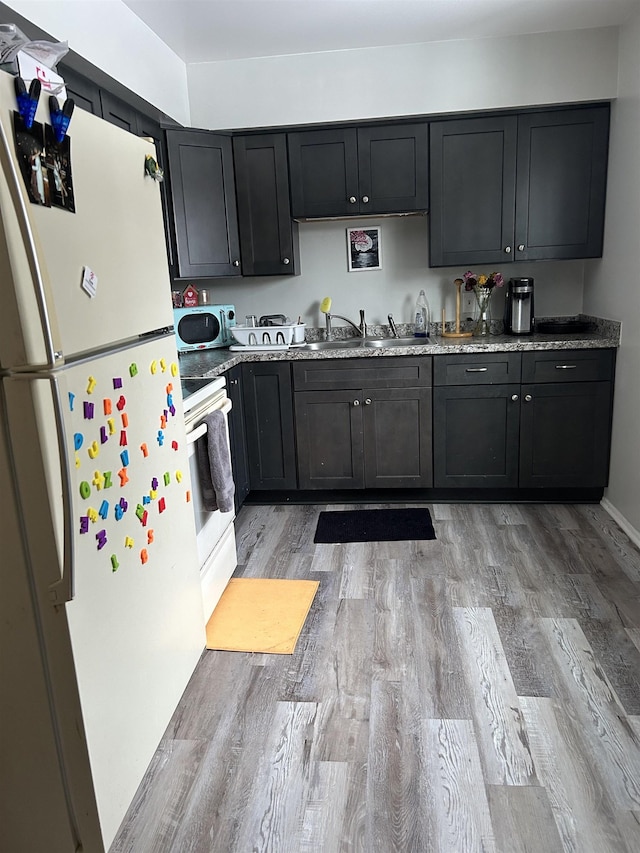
(116, 231)
(38, 808)
(136, 619)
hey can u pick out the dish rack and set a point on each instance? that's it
(267, 336)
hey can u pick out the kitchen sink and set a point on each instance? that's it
(376, 343)
(397, 342)
(350, 343)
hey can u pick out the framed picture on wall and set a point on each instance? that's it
(363, 249)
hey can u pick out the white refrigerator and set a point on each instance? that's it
(101, 617)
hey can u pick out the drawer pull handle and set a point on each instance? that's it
(566, 366)
(476, 369)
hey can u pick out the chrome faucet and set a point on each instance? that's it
(392, 326)
(361, 329)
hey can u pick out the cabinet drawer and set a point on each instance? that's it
(336, 374)
(568, 365)
(474, 369)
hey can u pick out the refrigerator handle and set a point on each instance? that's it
(63, 590)
(53, 353)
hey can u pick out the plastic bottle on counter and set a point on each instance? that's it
(423, 316)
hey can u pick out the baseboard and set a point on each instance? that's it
(621, 521)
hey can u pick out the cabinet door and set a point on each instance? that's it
(393, 168)
(562, 169)
(268, 410)
(117, 112)
(204, 204)
(472, 178)
(329, 437)
(85, 92)
(268, 237)
(237, 436)
(397, 438)
(476, 436)
(565, 434)
(323, 170)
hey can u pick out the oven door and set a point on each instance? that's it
(214, 530)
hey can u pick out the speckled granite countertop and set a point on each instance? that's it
(606, 334)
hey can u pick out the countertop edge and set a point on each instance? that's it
(211, 363)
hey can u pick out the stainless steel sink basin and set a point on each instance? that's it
(397, 342)
(376, 343)
(350, 343)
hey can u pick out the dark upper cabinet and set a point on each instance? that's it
(204, 204)
(349, 171)
(84, 92)
(268, 236)
(117, 112)
(472, 181)
(515, 188)
(561, 184)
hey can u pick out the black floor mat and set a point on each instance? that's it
(374, 525)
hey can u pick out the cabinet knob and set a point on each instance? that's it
(365, 199)
(286, 261)
(528, 398)
(236, 263)
(352, 199)
(367, 402)
(514, 397)
(521, 247)
(356, 402)
(507, 250)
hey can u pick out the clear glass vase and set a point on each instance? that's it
(483, 322)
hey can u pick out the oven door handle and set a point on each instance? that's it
(201, 429)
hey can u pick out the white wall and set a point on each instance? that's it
(612, 285)
(545, 68)
(108, 34)
(394, 288)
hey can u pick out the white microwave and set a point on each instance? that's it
(204, 327)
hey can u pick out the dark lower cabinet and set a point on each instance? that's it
(329, 440)
(565, 434)
(237, 436)
(550, 433)
(476, 436)
(350, 436)
(270, 437)
(204, 204)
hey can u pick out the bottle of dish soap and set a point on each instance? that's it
(423, 316)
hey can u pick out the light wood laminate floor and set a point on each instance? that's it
(480, 692)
